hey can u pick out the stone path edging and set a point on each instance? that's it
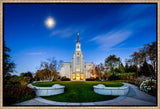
(83, 103)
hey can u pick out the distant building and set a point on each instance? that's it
(77, 69)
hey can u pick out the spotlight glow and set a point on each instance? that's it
(50, 22)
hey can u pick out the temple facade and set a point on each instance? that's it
(77, 70)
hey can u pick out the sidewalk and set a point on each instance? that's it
(134, 97)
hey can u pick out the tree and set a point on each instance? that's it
(121, 68)
(28, 74)
(117, 70)
(112, 62)
(48, 69)
(135, 58)
(39, 75)
(8, 65)
(126, 68)
(146, 69)
(143, 55)
(99, 70)
(152, 50)
(22, 74)
(133, 68)
(107, 74)
(148, 52)
(92, 71)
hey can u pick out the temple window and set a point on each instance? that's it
(74, 76)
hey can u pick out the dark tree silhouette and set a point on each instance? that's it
(8, 65)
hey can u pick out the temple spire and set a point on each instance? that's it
(78, 37)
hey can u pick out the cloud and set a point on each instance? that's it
(123, 48)
(36, 53)
(126, 26)
(135, 10)
(112, 38)
(68, 31)
(63, 32)
(122, 31)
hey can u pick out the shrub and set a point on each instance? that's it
(138, 82)
(17, 94)
(140, 79)
(54, 79)
(114, 77)
(149, 86)
(16, 90)
(65, 79)
(127, 81)
(90, 79)
(97, 79)
(93, 79)
(58, 79)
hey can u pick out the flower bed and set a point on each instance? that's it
(148, 86)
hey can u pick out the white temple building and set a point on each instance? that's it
(77, 69)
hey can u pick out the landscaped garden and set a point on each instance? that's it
(79, 91)
(111, 74)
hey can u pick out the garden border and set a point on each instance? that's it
(40, 99)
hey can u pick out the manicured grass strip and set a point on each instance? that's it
(79, 91)
(125, 74)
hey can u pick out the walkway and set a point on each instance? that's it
(134, 97)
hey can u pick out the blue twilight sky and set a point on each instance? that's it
(104, 29)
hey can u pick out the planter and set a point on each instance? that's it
(103, 90)
(47, 91)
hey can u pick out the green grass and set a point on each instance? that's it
(79, 91)
(125, 74)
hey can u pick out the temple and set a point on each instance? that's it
(77, 69)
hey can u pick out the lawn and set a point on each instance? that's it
(79, 91)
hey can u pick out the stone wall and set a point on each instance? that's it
(103, 90)
(47, 91)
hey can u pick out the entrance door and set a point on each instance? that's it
(77, 76)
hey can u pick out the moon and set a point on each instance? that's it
(50, 22)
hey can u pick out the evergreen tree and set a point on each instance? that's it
(146, 69)
(121, 68)
(126, 68)
(133, 68)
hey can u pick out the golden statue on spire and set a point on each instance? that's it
(78, 33)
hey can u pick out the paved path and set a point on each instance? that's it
(134, 97)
